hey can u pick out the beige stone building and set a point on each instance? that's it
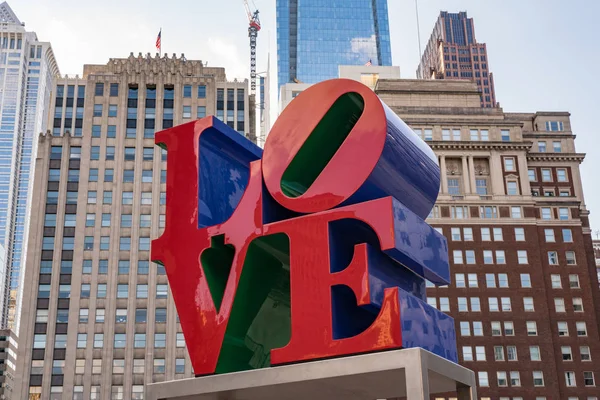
(99, 322)
(98, 319)
(8, 359)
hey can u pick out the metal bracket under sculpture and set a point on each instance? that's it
(315, 247)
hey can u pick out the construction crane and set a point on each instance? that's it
(253, 28)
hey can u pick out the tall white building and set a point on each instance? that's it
(27, 67)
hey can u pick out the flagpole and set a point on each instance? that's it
(160, 47)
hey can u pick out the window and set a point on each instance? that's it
(187, 111)
(444, 304)
(520, 234)
(97, 366)
(515, 378)
(538, 378)
(160, 315)
(531, 327)
(99, 89)
(81, 340)
(488, 257)
(147, 176)
(577, 304)
(502, 280)
(139, 340)
(111, 132)
(570, 255)
(456, 234)
(490, 280)
(549, 234)
(179, 365)
(498, 353)
(118, 366)
(556, 282)
(554, 126)
(506, 306)
(97, 110)
(532, 176)
(107, 198)
(542, 146)
(485, 234)
(567, 355)
(477, 328)
(584, 351)
(563, 213)
(101, 291)
(142, 291)
(546, 175)
(563, 329)
(534, 353)
(114, 89)
(468, 234)
(500, 257)
(79, 366)
(574, 281)
(470, 255)
(505, 135)
(567, 236)
(459, 280)
(124, 243)
(453, 186)
(525, 281)
(475, 304)
(467, 352)
(85, 290)
(561, 175)
(160, 340)
(90, 220)
(122, 291)
(515, 212)
(98, 340)
(465, 328)
(559, 304)
(120, 339)
(137, 392)
(95, 153)
(481, 186)
(588, 378)
(502, 380)
(522, 256)
(458, 256)
(83, 315)
(187, 91)
(138, 366)
(458, 212)
(483, 379)
(493, 304)
(161, 291)
(552, 258)
(108, 174)
(462, 304)
(488, 212)
(570, 378)
(509, 164)
(144, 244)
(121, 316)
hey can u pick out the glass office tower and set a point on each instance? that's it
(314, 37)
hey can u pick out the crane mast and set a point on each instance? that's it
(253, 28)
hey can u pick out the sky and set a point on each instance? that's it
(543, 53)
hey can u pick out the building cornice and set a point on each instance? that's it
(578, 157)
(546, 135)
(417, 118)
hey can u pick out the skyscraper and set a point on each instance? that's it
(27, 67)
(453, 53)
(314, 37)
(98, 321)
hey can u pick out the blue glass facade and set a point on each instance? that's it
(314, 37)
(458, 28)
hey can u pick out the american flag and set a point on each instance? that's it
(158, 41)
(369, 63)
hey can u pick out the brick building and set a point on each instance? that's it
(596, 245)
(98, 321)
(453, 52)
(524, 293)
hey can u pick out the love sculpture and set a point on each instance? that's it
(315, 248)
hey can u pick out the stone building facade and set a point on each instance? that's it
(524, 293)
(8, 359)
(98, 319)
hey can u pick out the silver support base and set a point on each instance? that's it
(410, 373)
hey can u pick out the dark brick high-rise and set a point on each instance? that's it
(453, 53)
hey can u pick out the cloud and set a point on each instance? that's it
(364, 46)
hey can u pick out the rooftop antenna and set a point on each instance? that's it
(418, 28)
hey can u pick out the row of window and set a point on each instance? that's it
(114, 90)
(141, 317)
(491, 212)
(455, 134)
(149, 114)
(509, 328)
(509, 353)
(90, 220)
(119, 341)
(538, 379)
(86, 267)
(501, 281)
(68, 243)
(561, 175)
(500, 257)
(466, 234)
(141, 291)
(504, 305)
(128, 153)
(107, 198)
